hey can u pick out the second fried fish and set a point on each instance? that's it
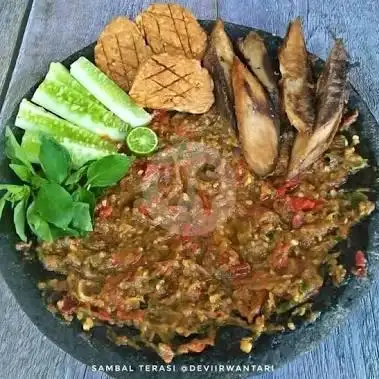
(258, 132)
(219, 60)
(254, 50)
(296, 82)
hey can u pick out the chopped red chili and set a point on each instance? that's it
(207, 204)
(105, 211)
(126, 258)
(298, 204)
(360, 268)
(69, 305)
(279, 257)
(240, 170)
(297, 221)
(143, 210)
(287, 186)
(183, 130)
(159, 115)
(136, 315)
(186, 229)
(151, 171)
(240, 271)
(360, 259)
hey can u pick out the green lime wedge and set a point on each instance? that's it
(142, 141)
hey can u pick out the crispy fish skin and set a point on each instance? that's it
(218, 60)
(331, 91)
(258, 133)
(170, 28)
(120, 50)
(298, 152)
(254, 50)
(285, 145)
(331, 96)
(171, 82)
(296, 82)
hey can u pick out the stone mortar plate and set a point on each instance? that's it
(278, 349)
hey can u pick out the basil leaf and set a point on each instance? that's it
(2, 203)
(38, 225)
(15, 193)
(108, 171)
(19, 219)
(76, 176)
(82, 217)
(67, 232)
(21, 171)
(54, 204)
(14, 151)
(23, 194)
(37, 181)
(85, 196)
(55, 160)
(14, 188)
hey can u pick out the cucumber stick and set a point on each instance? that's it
(80, 153)
(108, 93)
(70, 104)
(77, 140)
(60, 74)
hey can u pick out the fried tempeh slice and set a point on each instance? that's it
(258, 132)
(254, 50)
(120, 50)
(173, 83)
(219, 60)
(170, 28)
(296, 82)
(331, 96)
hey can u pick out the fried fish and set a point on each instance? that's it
(296, 82)
(254, 50)
(331, 95)
(258, 132)
(219, 60)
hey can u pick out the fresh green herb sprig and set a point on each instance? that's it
(56, 200)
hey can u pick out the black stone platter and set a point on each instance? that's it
(278, 349)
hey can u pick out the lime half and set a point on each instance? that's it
(142, 141)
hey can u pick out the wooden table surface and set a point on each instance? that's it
(34, 33)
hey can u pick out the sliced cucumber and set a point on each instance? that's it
(60, 74)
(35, 118)
(109, 93)
(71, 105)
(80, 153)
